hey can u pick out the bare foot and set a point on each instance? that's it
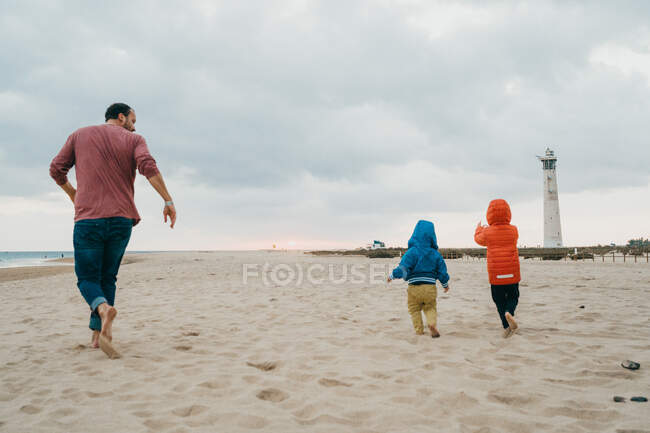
(107, 314)
(94, 343)
(507, 333)
(434, 332)
(108, 348)
(512, 323)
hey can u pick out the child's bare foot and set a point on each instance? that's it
(507, 333)
(512, 323)
(94, 343)
(434, 332)
(419, 332)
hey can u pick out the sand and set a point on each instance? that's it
(59, 267)
(203, 351)
(30, 272)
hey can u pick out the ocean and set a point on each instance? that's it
(15, 259)
(18, 259)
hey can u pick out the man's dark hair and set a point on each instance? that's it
(114, 110)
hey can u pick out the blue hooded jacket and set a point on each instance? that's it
(422, 263)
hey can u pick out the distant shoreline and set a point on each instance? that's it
(31, 272)
(55, 267)
(35, 259)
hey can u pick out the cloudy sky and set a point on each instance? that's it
(329, 124)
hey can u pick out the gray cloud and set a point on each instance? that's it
(263, 95)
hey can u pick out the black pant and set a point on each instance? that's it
(506, 298)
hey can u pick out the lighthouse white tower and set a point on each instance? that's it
(552, 227)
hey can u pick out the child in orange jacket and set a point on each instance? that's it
(500, 238)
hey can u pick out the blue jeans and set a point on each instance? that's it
(99, 245)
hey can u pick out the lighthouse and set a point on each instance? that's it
(552, 227)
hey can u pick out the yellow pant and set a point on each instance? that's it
(422, 297)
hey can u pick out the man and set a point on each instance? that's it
(106, 157)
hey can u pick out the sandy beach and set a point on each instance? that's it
(203, 350)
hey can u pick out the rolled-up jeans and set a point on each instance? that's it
(99, 245)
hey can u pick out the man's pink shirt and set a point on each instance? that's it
(105, 159)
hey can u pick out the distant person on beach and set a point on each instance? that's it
(421, 266)
(500, 238)
(105, 158)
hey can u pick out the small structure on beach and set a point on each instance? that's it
(377, 244)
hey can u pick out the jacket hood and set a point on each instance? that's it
(424, 236)
(498, 212)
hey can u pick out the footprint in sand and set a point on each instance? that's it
(328, 419)
(324, 358)
(272, 394)
(63, 412)
(250, 379)
(99, 394)
(511, 399)
(192, 334)
(159, 424)
(308, 411)
(82, 368)
(193, 410)
(582, 414)
(483, 376)
(377, 375)
(332, 382)
(30, 409)
(404, 400)
(215, 384)
(458, 400)
(183, 348)
(69, 391)
(264, 366)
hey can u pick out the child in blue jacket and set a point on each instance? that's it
(421, 266)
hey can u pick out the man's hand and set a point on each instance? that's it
(159, 185)
(447, 288)
(389, 279)
(170, 211)
(69, 189)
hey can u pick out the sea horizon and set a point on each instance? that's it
(20, 259)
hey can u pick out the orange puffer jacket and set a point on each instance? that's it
(500, 238)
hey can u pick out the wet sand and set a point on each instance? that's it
(31, 272)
